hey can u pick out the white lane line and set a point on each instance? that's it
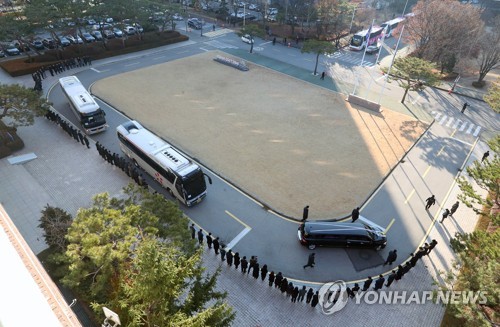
(437, 116)
(204, 49)
(470, 128)
(132, 64)
(463, 126)
(237, 238)
(456, 124)
(159, 58)
(266, 43)
(450, 121)
(441, 122)
(477, 131)
(97, 71)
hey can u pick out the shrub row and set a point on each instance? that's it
(97, 50)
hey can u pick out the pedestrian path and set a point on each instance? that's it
(454, 123)
(347, 56)
(220, 45)
(218, 32)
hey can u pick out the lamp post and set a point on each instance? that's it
(201, 28)
(404, 10)
(244, 13)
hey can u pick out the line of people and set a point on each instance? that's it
(122, 163)
(68, 128)
(252, 266)
(61, 66)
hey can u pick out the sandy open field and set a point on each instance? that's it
(284, 141)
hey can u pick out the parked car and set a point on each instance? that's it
(272, 11)
(138, 27)
(11, 50)
(250, 16)
(97, 35)
(176, 16)
(271, 18)
(100, 26)
(88, 37)
(38, 45)
(108, 34)
(252, 7)
(118, 32)
(75, 39)
(24, 47)
(129, 30)
(371, 49)
(64, 42)
(356, 234)
(2, 54)
(90, 21)
(50, 43)
(247, 39)
(195, 23)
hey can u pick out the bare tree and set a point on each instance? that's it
(489, 51)
(442, 31)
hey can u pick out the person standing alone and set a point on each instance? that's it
(310, 261)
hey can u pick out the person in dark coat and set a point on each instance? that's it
(309, 295)
(263, 272)
(355, 289)
(350, 293)
(406, 268)
(200, 236)
(355, 214)
(237, 260)
(393, 255)
(464, 107)
(215, 243)
(295, 294)
(80, 137)
(284, 285)
(229, 258)
(421, 252)
(305, 213)
(302, 294)
(391, 278)
(193, 231)
(426, 248)
(430, 202)
(367, 283)
(310, 261)
(278, 279)
(446, 213)
(222, 254)
(315, 299)
(399, 272)
(86, 140)
(244, 264)
(431, 246)
(253, 260)
(255, 271)
(454, 208)
(271, 278)
(485, 156)
(379, 282)
(413, 260)
(209, 240)
(289, 289)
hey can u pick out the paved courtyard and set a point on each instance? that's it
(284, 141)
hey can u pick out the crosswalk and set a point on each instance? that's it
(218, 32)
(347, 56)
(220, 45)
(456, 124)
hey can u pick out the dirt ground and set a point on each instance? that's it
(284, 141)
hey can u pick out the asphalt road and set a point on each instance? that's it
(429, 168)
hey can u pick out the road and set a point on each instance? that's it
(429, 168)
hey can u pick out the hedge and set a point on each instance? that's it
(96, 50)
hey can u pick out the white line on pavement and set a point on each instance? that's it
(437, 116)
(204, 49)
(470, 128)
(97, 71)
(132, 64)
(463, 126)
(456, 124)
(450, 121)
(159, 58)
(442, 120)
(477, 131)
(237, 238)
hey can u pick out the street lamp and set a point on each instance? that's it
(201, 28)
(244, 13)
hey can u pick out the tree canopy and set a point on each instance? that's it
(493, 96)
(20, 105)
(413, 74)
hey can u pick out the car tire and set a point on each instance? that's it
(311, 246)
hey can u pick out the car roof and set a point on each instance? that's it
(314, 228)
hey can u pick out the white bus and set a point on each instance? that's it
(181, 177)
(83, 105)
(391, 25)
(361, 39)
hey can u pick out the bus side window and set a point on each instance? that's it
(178, 187)
(170, 176)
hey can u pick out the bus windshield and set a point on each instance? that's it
(93, 119)
(357, 40)
(194, 184)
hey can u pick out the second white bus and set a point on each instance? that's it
(83, 105)
(361, 39)
(181, 177)
(391, 25)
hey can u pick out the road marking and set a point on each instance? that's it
(307, 59)
(456, 124)
(266, 43)
(471, 126)
(450, 121)
(477, 131)
(237, 219)
(437, 116)
(463, 126)
(132, 64)
(437, 155)
(159, 58)
(97, 71)
(383, 76)
(238, 237)
(426, 171)
(409, 196)
(453, 133)
(204, 49)
(390, 225)
(442, 120)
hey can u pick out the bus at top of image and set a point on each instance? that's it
(83, 105)
(361, 39)
(391, 25)
(181, 177)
